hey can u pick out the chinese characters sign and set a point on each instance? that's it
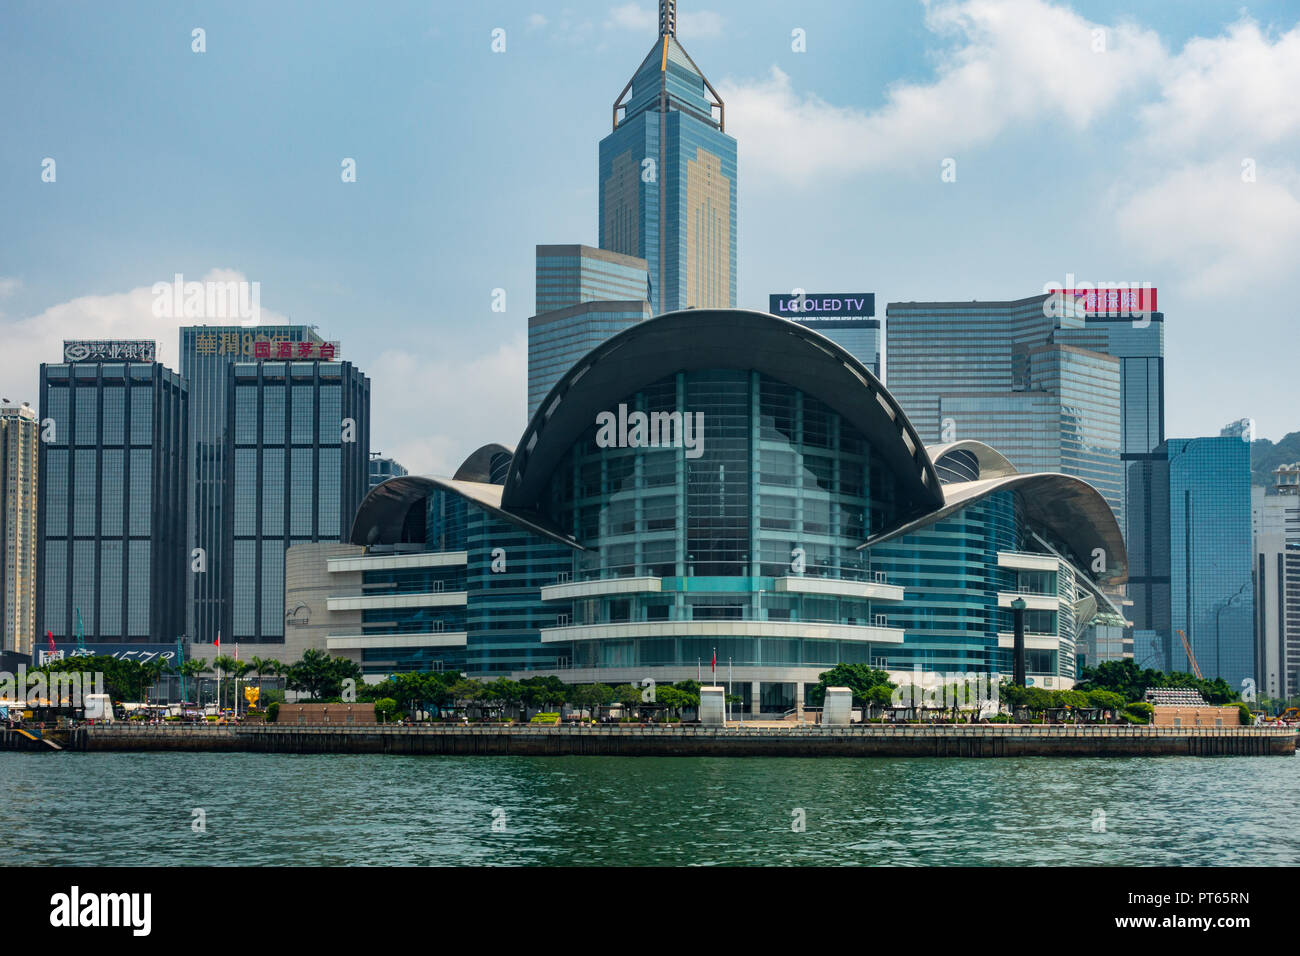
(248, 346)
(1113, 301)
(108, 350)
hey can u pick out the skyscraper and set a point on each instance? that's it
(18, 439)
(1008, 374)
(111, 553)
(1275, 526)
(584, 295)
(667, 179)
(1210, 581)
(846, 319)
(207, 351)
(1139, 344)
(299, 447)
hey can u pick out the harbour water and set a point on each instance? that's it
(124, 809)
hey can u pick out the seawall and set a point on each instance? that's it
(986, 740)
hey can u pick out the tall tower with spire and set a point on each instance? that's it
(668, 179)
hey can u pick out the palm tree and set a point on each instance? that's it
(153, 671)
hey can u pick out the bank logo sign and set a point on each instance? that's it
(824, 305)
(108, 350)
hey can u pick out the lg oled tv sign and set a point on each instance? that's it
(823, 305)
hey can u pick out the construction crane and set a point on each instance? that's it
(81, 634)
(1191, 658)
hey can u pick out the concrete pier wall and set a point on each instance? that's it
(1004, 740)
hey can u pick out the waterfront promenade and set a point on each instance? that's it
(910, 740)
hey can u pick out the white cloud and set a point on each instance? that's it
(9, 285)
(1214, 232)
(1235, 92)
(430, 415)
(630, 16)
(1015, 61)
(536, 21)
(690, 23)
(117, 315)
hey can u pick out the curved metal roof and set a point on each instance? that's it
(992, 463)
(719, 338)
(1071, 509)
(383, 511)
(478, 466)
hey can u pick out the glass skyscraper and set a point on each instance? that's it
(111, 555)
(584, 296)
(1008, 374)
(1140, 347)
(667, 179)
(299, 443)
(207, 352)
(1210, 557)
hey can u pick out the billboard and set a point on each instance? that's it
(1122, 301)
(832, 305)
(108, 350)
(143, 653)
(256, 346)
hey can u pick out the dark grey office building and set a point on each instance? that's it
(111, 545)
(299, 447)
(207, 352)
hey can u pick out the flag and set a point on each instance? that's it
(217, 643)
(50, 635)
(715, 661)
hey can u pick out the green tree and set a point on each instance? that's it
(319, 675)
(858, 678)
(629, 695)
(385, 709)
(544, 692)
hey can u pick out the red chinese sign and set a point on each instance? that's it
(1113, 301)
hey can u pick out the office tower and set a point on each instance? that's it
(584, 296)
(1000, 373)
(111, 555)
(1210, 557)
(1275, 526)
(667, 179)
(381, 469)
(298, 449)
(568, 275)
(207, 352)
(846, 318)
(18, 438)
(1139, 344)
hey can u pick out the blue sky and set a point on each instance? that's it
(1113, 165)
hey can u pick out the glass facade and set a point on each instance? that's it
(298, 443)
(207, 352)
(381, 469)
(861, 337)
(1006, 374)
(1210, 557)
(557, 340)
(667, 184)
(112, 544)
